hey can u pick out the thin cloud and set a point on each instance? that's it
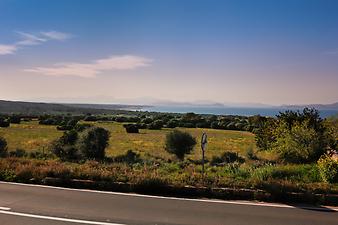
(332, 52)
(7, 49)
(55, 35)
(30, 39)
(91, 70)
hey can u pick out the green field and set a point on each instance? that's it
(32, 136)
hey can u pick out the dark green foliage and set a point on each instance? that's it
(3, 147)
(18, 153)
(173, 123)
(4, 122)
(179, 143)
(15, 119)
(79, 127)
(156, 125)
(131, 128)
(93, 142)
(65, 148)
(130, 157)
(227, 157)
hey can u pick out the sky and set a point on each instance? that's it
(146, 51)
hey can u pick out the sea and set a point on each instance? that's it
(241, 111)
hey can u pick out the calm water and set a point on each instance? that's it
(228, 110)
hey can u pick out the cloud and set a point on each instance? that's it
(90, 70)
(30, 39)
(332, 52)
(7, 49)
(55, 35)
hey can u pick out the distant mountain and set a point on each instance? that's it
(53, 108)
(333, 106)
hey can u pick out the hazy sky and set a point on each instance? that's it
(268, 51)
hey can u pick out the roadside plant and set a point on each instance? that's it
(179, 143)
(93, 142)
(328, 169)
(3, 147)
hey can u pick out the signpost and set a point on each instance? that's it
(204, 142)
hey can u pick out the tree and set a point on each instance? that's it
(3, 147)
(298, 145)
(179, 143)
(65, 148)
(93, 142)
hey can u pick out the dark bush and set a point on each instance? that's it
(130, 157)
(82, 126)
(18, 153)
(93, 142)
(4, 122)
(65, 148)
(227, 157)
(131, 128)
(3, 147)
(179, 143)
(15, 119)
(156, 125)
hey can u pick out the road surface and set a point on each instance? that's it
(36, 205)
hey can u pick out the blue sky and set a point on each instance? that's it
(272, 52)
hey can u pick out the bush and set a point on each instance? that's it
(179, 143)
(64, 147)
(4, 123)
(156, 125)
(130, 157)
(3, 147)
(328, 169)
(298, 145)
(227, 157)
(18, 153)
(93, 142)
(131, 128)
(15, 119)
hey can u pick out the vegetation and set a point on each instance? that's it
(328, 169)
(179, 143)
(279, 154)
(3, 147)
(92, 143)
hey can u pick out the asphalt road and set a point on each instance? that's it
(36, 205)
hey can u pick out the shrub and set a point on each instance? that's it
(15, 119)
(18, 153)
(227, 157)
(156, 125)
(3, 147)
(4, 123)
(298, 145)
(130, 157)
(328, 169)
(250, 154)
(64, 147)
(93, 142)
(131, 128)
(179, 143)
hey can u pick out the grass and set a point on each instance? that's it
(32, 136)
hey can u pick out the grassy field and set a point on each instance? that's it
(149, 143)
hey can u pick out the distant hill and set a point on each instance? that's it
(333, 106)
(53, 108)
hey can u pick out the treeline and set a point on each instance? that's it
(165, 120)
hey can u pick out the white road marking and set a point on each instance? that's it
(5, 208)
(57, 218)
(264, 204)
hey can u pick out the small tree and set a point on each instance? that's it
(93, 142)
(64, 147)
(179, 143)
(328, 169)
(131, 128)
(3, 147)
